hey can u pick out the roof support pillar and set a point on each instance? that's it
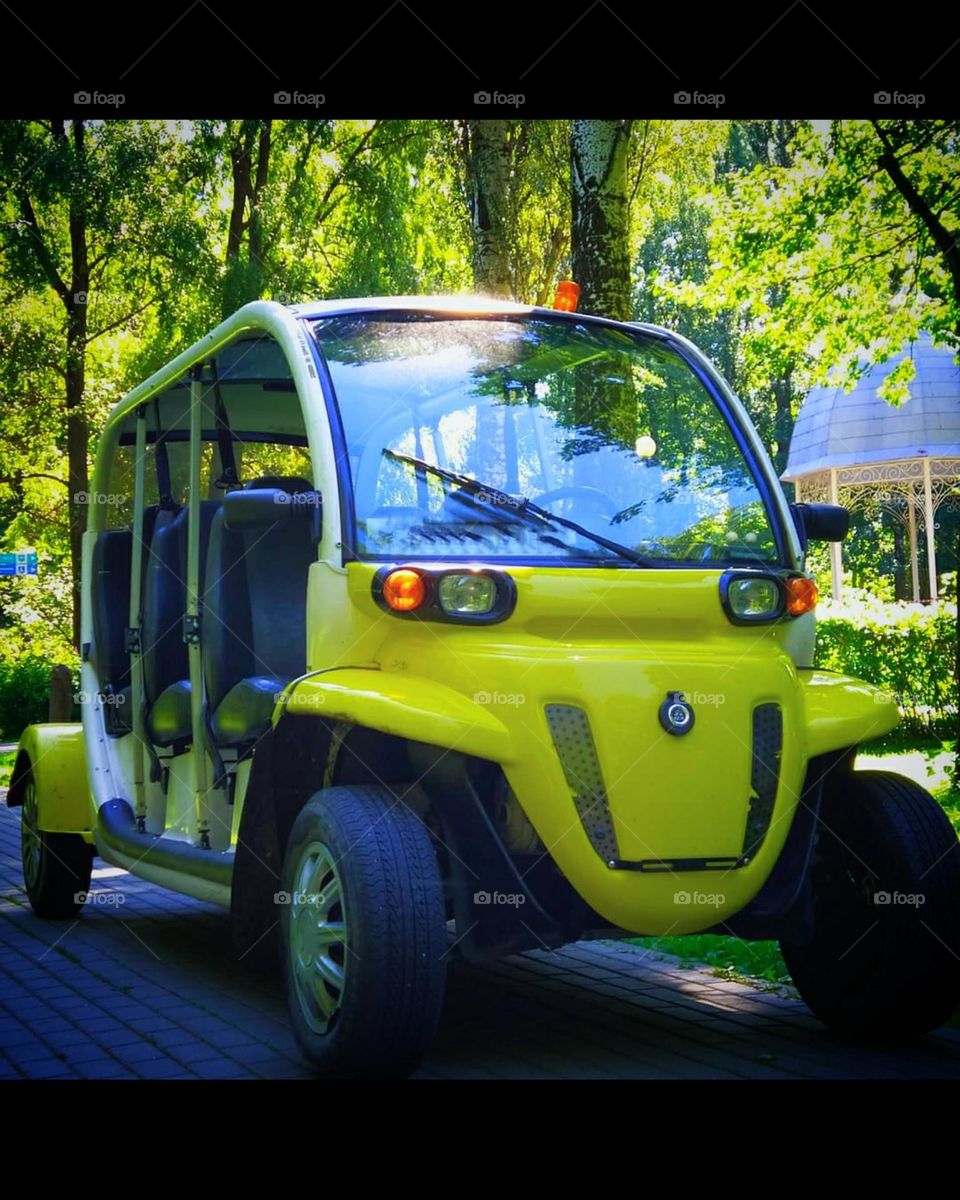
(836, 554)
(928, 518)
(914, 557)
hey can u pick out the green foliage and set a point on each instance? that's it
(826, 258)
(907, 650)
(36, 612)
(181, 226)
(7, 762)
(678, 262)
(782, 248)
(24, 694)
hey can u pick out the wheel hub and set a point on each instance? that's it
(318, 937)
(30, 847)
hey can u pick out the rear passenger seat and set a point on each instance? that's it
(166, 673)
(254, 628)
(111, 564)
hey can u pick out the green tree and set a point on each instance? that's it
(492, 151)
(514, 177)
(676, 253)
(92, 220)
(844, 244)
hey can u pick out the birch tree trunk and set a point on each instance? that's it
(488, 157)
(600, 210)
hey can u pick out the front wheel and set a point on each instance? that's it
(884, 961)
(56, 866)
(364, 933)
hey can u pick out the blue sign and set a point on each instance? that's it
(22, 562)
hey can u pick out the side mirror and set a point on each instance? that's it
(262, 508)
(820, 522)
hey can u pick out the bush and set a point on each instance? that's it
(907, 649)
(24, 694)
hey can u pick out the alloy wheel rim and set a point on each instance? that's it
(30, 844)
(318, 937)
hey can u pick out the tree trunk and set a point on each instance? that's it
(240, 155)
(489, 168)
(243, 277)
(256, 201)
(60, 707)
(77, 438)
(600, 235)
(783, 418)
(78, 432)
(241, 160)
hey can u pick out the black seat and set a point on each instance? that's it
(111, 565)
(111, 613)
(166, 671)
(254, 617)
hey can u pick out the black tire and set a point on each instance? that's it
(882, 966)
(56, 866)
(388, 1003)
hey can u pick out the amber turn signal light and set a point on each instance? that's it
(567, 295)
(802, 595)
(404, 590)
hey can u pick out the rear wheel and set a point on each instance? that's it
(364, 933)
(884, 961)
(56, 866)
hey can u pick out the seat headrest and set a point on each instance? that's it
(292, 484)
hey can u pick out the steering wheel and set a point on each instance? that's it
(591, 494)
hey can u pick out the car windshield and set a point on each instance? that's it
(535, 439)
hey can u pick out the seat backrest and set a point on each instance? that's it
(112, 564)
(165, 598)
(276, 570)
(110, 594)
(256, 599)
(226, 636)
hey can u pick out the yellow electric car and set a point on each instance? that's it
(416, 628)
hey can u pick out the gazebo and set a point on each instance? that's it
(853, 448)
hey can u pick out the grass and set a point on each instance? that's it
(729, 957)
(927, 761)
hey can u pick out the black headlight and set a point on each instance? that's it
(752, 597)
(463, 595)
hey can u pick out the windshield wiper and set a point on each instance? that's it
(519, 505)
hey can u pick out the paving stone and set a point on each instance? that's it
(106, 1008)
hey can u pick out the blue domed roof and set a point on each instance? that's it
(841, 429)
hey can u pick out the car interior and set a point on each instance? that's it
(252, 573)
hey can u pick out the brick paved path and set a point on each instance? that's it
(148, 989)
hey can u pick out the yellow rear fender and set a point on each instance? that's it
(51, 756)
(841, 711)
(406, 706)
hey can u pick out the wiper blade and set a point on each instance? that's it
(475, 487)
(617, 548)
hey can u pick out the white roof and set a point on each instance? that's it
(466, 303)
